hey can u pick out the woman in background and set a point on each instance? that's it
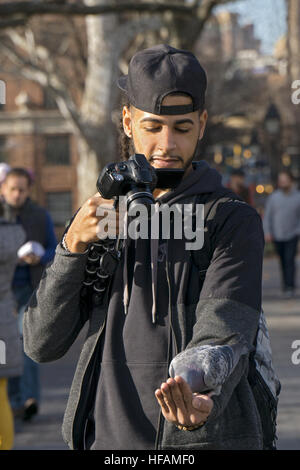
(12, 236)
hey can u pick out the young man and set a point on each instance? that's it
(282, 227)
(24, 391)
(121, 396)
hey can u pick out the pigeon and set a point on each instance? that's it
(205, 368)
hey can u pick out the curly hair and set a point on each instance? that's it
(125, 143)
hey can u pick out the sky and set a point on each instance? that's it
(268, 16)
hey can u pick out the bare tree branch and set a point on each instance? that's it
(9, 9)
(46, 76)
(129, 30)
(77, 41)
(13, 23)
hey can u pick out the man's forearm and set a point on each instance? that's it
(54, 318)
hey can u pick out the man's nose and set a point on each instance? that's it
(167, 140)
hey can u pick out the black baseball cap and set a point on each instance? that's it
(160, 70)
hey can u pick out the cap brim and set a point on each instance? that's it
(122, 83)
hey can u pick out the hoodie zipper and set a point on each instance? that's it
(171, 336)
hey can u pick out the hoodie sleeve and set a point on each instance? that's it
(230, 299)
(55, 314)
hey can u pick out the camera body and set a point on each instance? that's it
(135, 179)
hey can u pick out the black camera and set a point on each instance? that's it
(135, 179)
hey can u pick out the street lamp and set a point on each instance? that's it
(272, 125)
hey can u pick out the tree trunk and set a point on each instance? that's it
(293, 17)
(97, 103)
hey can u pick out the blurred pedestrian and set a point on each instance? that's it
(238, 186)
(24, 391)
(11, 361)
(282, 227)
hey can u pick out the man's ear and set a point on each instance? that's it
(203, 120)
(127, 121)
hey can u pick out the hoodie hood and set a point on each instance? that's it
(201, 179)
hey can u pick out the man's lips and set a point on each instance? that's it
(165, 162)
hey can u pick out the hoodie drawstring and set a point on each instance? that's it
(154, 244)
(125, 266)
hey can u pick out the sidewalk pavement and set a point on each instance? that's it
(283, 318)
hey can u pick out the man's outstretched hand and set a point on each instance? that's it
(180, 406)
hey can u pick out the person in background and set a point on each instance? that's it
(282, 227)
(24, 391)
(237, 185)
(12, 236)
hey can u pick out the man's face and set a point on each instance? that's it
(166, 141)
(15, 190)
(284, 182)
(237, 181)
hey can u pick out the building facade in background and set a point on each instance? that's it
(293, 53)
(293, 43)
(34, 135)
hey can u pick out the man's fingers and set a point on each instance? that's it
(161, 401)
(95, 200)
(168, 398)
(181, 412)
(177, 395)
(185, 391)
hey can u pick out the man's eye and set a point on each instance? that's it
(182, 130)
(152, 129)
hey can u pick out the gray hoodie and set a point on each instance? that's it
(228, 306)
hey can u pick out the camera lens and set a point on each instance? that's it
(137, 197)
